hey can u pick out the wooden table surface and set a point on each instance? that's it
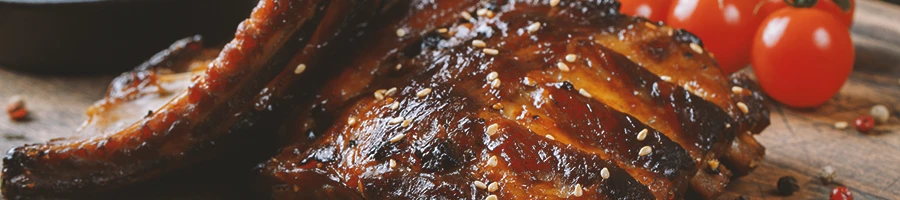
(799, 142)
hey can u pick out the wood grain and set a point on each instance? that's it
(799, 142)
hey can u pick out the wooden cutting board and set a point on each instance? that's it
(799, 142)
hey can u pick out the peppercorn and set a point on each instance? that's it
(880, 113)
(787, 185)
(827, 175)
(16, 109)
(864, 123)
(841, 193)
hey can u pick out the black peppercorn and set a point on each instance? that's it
(787, 185)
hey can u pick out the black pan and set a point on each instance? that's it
(88, 36)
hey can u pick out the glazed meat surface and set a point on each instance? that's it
(422, 99)
(545, 102)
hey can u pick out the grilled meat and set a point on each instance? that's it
(507, 106)
(455, 99)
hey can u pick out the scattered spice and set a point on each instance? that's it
(864, 123)
(841, 125)
(480, 185)
(696, 47)
(642, 135)
(300, 68)
(787, 185)
(534, 27)
(604, 173)
(493, 187)
(743, 107)
(841, 193)
(645, 151)
(563, 67)
(479, 43)
(713, 165)
(492, 129)
(571, 57)
(880, 113)
(490, 51)
(737, 90)
(828, 174)
(16, 108)
(578, 190)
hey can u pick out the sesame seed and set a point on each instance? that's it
(300, 68)
(351, 121)
(495, 83)
(497, 106)
(743, 107)
(645, 150)
(492, 76)
(578, 190)
(604, 173)
(713, 164)
(393, 163)
(479, 43)
(480, 185)
(401, 32)
(406, 122)
(670, 32)
(696, 47)
(398, 67)
(481, 12)
(395, 120)
(395, 105)
(665, 78)
(650, 25)
(493, 187)
(442, 30)
(737, 90)
(466, 15)
(379, 94)
(490, 51)
(490, 14)
(390, 92)
(492, 161)
(423, 92)
(492, 197)
(529, 82)
(841, 125)
(398, 137)
(562, 67)
(554, 2)
(571, 57)
(727, 125)
(492, 129)
(534, 27)
(642, 135)
(584, 93)
(548, 136)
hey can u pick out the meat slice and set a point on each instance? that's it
(501, 88)
(203, 122)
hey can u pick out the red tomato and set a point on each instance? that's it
(655, 10)
(726, 27)
(832, 6)
(802, 56)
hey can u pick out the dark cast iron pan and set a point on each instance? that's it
(89, 36)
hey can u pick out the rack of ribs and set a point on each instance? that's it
(456, 99)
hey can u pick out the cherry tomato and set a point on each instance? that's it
(834, 7)
(841, 193)
(802, 56)
(726, 27)
(655, 10)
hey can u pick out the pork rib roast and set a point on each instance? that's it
(421, 99)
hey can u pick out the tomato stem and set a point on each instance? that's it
(801, 3)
